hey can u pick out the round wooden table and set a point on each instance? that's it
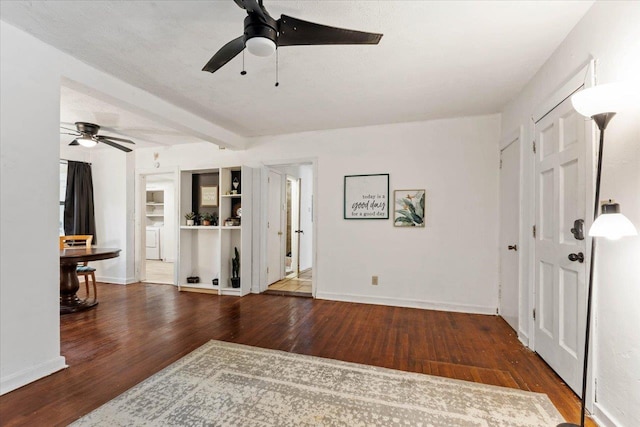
(69, 284)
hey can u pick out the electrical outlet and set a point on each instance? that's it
(374, 280)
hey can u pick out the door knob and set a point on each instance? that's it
(512, 247)
(577, 257)
(578, 229)
(299, 231)
(279, 233)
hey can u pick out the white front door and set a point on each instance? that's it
(509, 232)
(560, 300)
(275, 235)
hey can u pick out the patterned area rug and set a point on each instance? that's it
(224, 384)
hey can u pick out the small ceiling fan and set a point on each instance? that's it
(87, 136)
(263, 34)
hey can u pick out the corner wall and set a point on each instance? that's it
(610, 33)
(29, 177)
(451, 264)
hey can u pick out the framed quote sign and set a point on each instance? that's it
(208, 196)
(366, 196)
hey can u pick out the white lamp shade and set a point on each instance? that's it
(260, 46)
(87, 142)
(612, 226)
(605, 98)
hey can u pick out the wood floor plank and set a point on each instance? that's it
(139, 329)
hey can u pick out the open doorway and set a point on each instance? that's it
(158, 228)
(290, 229)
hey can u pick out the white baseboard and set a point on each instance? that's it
(603, 418)
(399, 302)
(31, 374)
(524, 338)
(116, 280)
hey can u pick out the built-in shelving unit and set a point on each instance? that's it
(155, 205)
(206, 251)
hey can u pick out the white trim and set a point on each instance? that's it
(584, 78)
(265, 167)
(410, 303)
(31, 374)
(139, 209)
(116, 280)
(581, 78)
(604, 418)
(516, 137)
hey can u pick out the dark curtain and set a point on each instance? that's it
(78, 204)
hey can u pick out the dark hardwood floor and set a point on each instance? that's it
(139, 329)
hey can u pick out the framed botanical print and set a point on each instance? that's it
(408, 208)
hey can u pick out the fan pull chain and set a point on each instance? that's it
(277, 82)
(243, 72)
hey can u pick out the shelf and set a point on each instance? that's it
(155, 204)
(200, 227)
(156, 215)
(231, 195)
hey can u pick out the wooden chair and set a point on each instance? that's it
(84, 269)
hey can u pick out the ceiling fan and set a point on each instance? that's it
(87, 136)
(263, 35)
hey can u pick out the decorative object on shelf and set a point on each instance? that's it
(366, 196)
(190, 217)
(234, 211)
(601, 103)
(232, 222)
(235, 269)
(207, 218)
(409, 208)
(193, 279)
(235, 183)
(208, 195)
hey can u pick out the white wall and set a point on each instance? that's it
(450, 264)
(609, 32)
(113, 188)
(29, 177)
(31, 75)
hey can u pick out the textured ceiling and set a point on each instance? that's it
(76, 106)
(436, 59)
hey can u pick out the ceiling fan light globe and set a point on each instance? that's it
(87, 142)
(260, 46)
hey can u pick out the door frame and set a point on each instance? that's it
(140, 188)
(517, 137)
(260, 235)
(295, 225)
(585, 77)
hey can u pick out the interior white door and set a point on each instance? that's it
(275, 236)
(509, 232)
(560, 300)
(295, 226)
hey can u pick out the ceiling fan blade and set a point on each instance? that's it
(295, 32)
(103, 137)
(73, 134)
(72, 130)
(114, 145)
(225, 54)
(252, 6)
(74, 142)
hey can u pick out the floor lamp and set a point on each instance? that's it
(600, 103)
